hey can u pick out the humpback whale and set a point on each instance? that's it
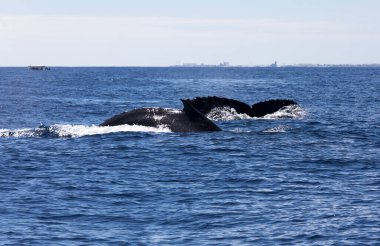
(189, 119)
(192, 117)
(206, 104)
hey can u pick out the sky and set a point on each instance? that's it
(172, 32)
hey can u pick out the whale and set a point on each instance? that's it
(189, 119)
(206, 104)
(192, 118)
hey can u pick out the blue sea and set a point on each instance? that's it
(306, 177)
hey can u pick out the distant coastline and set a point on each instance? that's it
(221, 65)
(275, 65)
(333, 65)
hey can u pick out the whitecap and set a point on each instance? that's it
(229, 114)
(59, 130)
(291, 111)
(280, 128)
(226, 113)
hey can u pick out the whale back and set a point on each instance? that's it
(270, 106)
(142, 116)
(187, 120)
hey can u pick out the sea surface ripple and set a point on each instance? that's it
(312, 179)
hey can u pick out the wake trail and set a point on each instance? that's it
(73, 131)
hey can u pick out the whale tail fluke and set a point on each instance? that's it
(270, 106)
(206, 104)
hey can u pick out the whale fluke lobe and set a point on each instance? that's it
(206, 104)
(269, 107)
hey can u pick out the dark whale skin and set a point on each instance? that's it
(269, 107)
(206, 104)
(187, 120)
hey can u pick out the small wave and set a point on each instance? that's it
(291, 111)
(226, 113)
(68, 131)
(280, 128)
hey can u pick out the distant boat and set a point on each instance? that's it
(39, 68)
(273, 64)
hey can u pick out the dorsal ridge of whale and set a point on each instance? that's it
(199, 119)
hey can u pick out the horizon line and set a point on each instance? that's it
(202, 65)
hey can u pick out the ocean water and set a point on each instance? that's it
(304, 176)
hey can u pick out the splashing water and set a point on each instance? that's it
(280, 128)
(291, 111)
(68, 131)
(227, 114)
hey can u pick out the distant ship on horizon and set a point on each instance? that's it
(38, 67)
(273, 64)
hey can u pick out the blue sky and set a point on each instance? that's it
(168, 32)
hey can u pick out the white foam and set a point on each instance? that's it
(81, 130)
(78, 130)
(291, 111)
(226, 113)
(25, 132)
